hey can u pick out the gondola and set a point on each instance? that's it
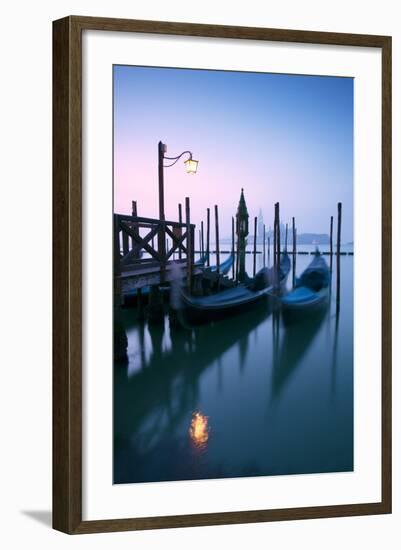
(224, 266)
(130, 298)
(238, 297)
(311, 291)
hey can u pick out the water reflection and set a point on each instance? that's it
(297, 338)
(199, 430)
(278, 395)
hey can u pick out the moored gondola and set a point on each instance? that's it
(311, 291)
(243, 295)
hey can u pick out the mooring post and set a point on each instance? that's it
(161, 246)
(117, 263)
(339, 213)
(294, 238)
(189, 243)
(202, 241)
(180, 221)
(125, 243)
(192, 247)
(233, 245)
(208, 237)
(278, 244)
(275, 237)
(135, 227)
(139, 301)
(331, 246)
(264, 245)
(286, 236)
(155, 305)
(294, 256)
(268, 250)
(216, 214)
(254, 245)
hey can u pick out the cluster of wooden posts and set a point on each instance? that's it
(182, 237)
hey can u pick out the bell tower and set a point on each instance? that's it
(242, 230)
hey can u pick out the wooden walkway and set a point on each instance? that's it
(140, 276)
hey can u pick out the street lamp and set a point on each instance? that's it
(191, 166)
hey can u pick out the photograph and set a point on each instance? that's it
(233, 274)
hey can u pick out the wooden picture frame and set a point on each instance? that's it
(67, 273)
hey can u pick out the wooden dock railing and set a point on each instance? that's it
(137, 241)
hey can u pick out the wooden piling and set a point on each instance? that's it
(286, 237)
(331, 235)
(339, 215)
(294, 238)
(216, 216)
(125, 243)
(275, 237)
(237, 262)
(192, 248)
(208, 237)
(180, 221)
(139, 301)
(233, 245)
(189, 243)
(268, 250)
(254, 245)
(278, 243)
(264, 245)
(294, 253)
(134, 208)
(117, 264)
(202, 241)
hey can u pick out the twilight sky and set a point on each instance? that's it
(283, 138)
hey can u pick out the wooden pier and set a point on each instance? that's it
(139, 263)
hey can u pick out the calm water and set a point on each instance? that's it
(272, 398)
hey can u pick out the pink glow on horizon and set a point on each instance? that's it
(297, 151)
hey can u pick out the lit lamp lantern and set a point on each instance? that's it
(191, 165)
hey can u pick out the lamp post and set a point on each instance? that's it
(191, 166)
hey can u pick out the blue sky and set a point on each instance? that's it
(285, 138)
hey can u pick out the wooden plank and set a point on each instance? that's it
(178, 240)
(143, 244)
(143, 222)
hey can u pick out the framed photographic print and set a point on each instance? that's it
(222, 274)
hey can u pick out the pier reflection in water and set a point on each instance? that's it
(244, 396)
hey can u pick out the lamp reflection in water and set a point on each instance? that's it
(199, 430)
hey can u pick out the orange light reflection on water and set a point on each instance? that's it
(199, 429)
